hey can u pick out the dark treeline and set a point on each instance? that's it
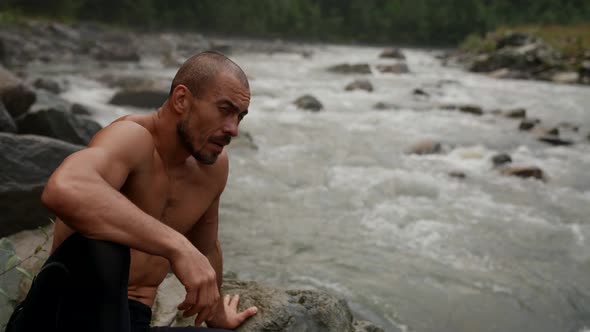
(382, 21)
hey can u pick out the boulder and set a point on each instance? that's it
(278, 309)
(79, 109)
(359, 85)
(26, 162)
(7, 124)
(346, 68)
(524, 172)
(420, 92)
(584, 72)
(425, 147)
(140, 98)
(60, 125)
(471, 109)
(308, 102)
(46, 100)
(392, 53)
(47, 84)
(381, 106)
(457, 175)
(398, 68)
(516, 113)
(16, 96)
(501, 159)
(554, 140)
(365, 326)
(528, 124)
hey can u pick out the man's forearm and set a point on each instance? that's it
(215, 257)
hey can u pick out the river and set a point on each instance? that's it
(331, 201)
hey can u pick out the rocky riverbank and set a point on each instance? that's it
(519, 55)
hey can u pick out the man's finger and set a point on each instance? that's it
(233, 303)
(226, 300)
(242, 316)
(203, 314)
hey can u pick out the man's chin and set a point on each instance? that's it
(207, 160)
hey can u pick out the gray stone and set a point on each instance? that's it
(79, 109)
(7, 124)
(365, 326)
(501, 159)
(398, 68)
(524, 172)
(278, 309)
(9, 282)
(46, 100)
(47, 84)
(528, 124)
(554, 140)
(457, 174)
(381, 106)
(116, 52)
(425, 147)
(308, 102)
(515, 113)
(420, 92)
(26, 162)
(140, 98)
(360, 68)
(471, 109)
(392, 53)
(60, 125)
(584, 73)
(359, 85)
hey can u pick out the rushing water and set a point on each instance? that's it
(331, 201)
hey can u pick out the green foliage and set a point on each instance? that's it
(386, 21)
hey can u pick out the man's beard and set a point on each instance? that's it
(186, 140)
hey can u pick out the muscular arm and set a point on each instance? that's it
(84, 192)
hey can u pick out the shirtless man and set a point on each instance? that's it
(142, 200)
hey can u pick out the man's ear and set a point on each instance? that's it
(181, 99)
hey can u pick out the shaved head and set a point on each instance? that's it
(200, 71)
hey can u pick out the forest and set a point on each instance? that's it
(426, 22)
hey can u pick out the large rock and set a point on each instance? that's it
(26, 162)
(140, 98)
(584, 72)
(16, 96)
(501, 159)
(392, 53)
(116, 51)
(7, 124)
(425, 147)
(60, 125)
(278, 309)
(9, 281)
(48, 84)
(359, 85)
(308, 102)
(360, 68)
(524, 172)
(398, 68)
(517, 113)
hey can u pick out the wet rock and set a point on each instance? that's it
(116, 52)
(79, 109)
(16, 96)
(47, 84)
(554, 140)
(26, 162)
(457, 175)
(528, 124)
(308, 102)
(140, 98)
(420, 92)
(584, 73)
(360, 68)
(63, 31)
(359, 85)
(501, 159)
(365, 326)
(48, 101)
(524, 172)
(542, 131)
(516, 113)
(398, 68)
(425, 147)
(60, 125)
(588, 137)
(392, 53)
(7, 124)
(381, 106)
(471, 109)
(278, 309)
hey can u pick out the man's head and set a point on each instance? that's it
(210, 94)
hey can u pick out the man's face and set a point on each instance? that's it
(213, 118)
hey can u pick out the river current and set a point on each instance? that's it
(331, 201)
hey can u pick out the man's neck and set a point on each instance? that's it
(166, 139)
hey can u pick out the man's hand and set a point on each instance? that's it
(198, 277)
(228, 317)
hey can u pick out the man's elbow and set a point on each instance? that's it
(56, 194)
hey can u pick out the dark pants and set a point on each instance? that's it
(83, 287)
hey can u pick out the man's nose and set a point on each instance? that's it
(231, 127)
